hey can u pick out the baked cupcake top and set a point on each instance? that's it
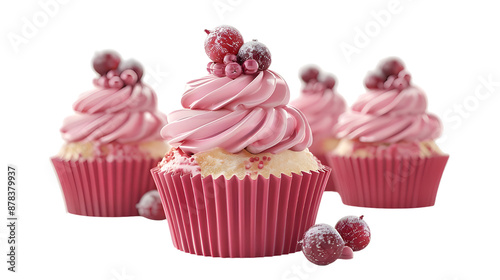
(121, 108)
(393, 110)
(320, 102)
(240, 105)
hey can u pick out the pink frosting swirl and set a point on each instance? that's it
(115, 114)
(322, 107)
(389, 116)
(249, 112)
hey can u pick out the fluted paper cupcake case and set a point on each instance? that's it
(104, 188)
(330, 185)
(240, 218)
(402, 182)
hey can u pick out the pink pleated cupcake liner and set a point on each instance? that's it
(104, 188)
(406, 182)
(330, 185)
(240, 218)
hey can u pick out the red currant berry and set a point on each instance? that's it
(150, 206)
(210, 67)
(322, 244)
(257, 51)
(228, 58)
(132, 65)
(222, 40)
(233, 70)
(219, 69)
(111, 74)
(250, 66)
(115, 82)
(354, 231)
(105, 61)
(405, 75)
(129, 77)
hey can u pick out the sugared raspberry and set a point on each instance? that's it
(355, 232)
(391, 66)
(105, 61)
(257, 51)
(222, 40)
(309, 73)
(322, 244)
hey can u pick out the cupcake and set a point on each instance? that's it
(111, 142)
(387, 157)
(322, 106)
(239, 180)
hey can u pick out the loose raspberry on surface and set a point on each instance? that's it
(322, 244)
(355, 232)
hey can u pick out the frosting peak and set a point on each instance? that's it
(322, 106)
(389, 116)
(249, 112)
(264, 89)
(107, 114)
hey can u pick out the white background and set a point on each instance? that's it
(451, 49)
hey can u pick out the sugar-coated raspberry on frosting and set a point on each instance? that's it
(392, 111)
(121, 109)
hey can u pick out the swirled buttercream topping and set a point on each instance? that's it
(322, 107)
(115, 114)
(389, 116)
(249, 112)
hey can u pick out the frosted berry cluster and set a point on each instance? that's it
(324, 244)
(231, 57)
(311, 75)
(390, 74)
(115, 73)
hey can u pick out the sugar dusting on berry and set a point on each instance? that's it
(222, 40)
(355, 232)
(322, 244)
(257, 51)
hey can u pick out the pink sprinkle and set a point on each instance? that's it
(256, 158)
(261, 165)
(247, 166)
(251, 159)
(264, 158)
(261, 162)
(269, 158)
